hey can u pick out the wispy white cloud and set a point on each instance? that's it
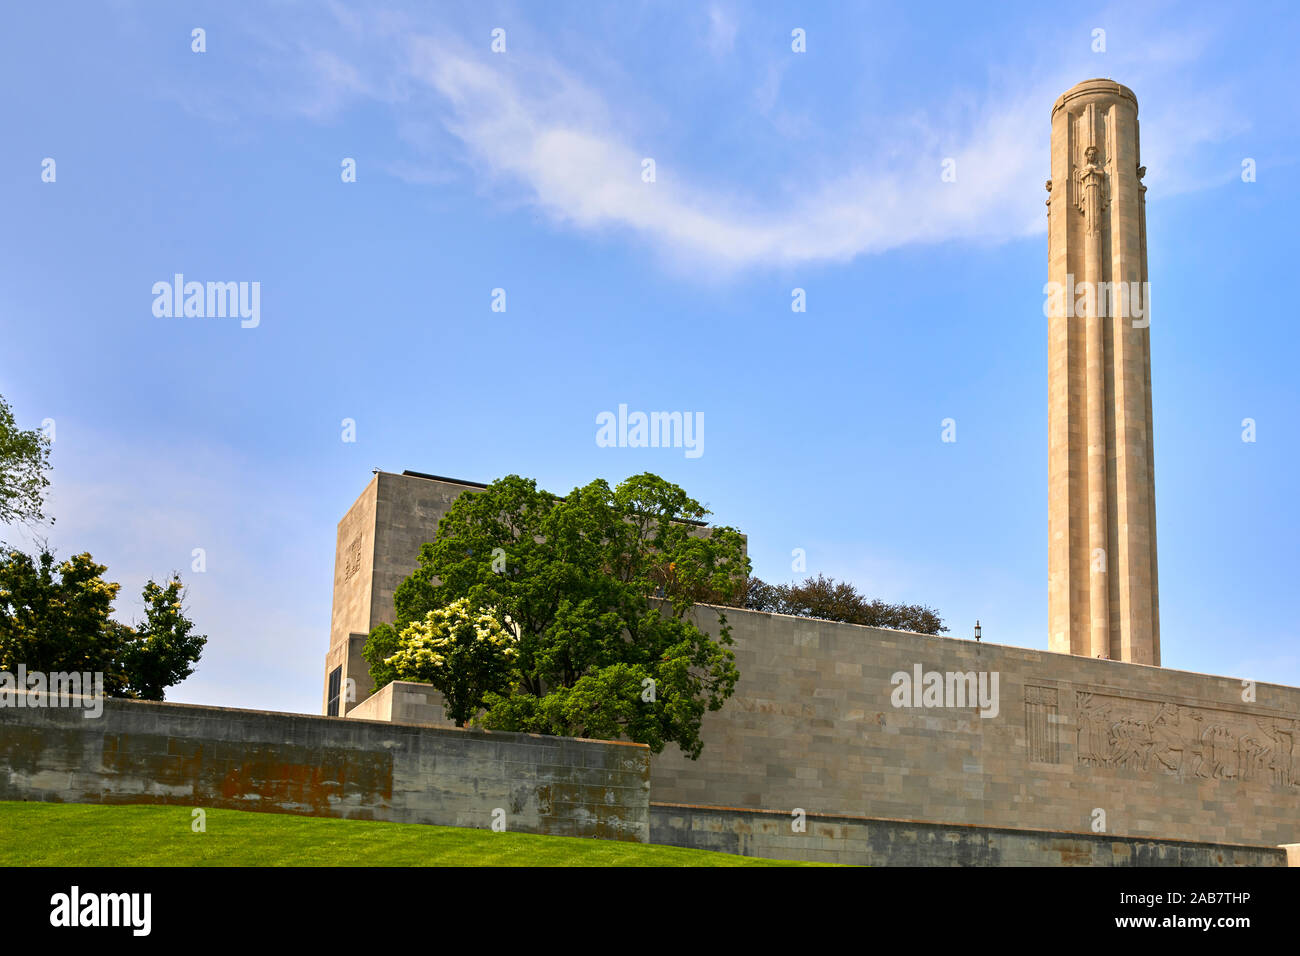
(722, 30)
(542, 128)
(534, 131)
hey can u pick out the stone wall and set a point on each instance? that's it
(1163, 754)
(139, 752)
(405, 702)
(861, 841)
(377, 547)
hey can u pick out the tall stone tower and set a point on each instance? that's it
(1102, 521)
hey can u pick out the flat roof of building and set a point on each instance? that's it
(454, 481)
(478, 484)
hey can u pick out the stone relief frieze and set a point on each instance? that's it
(1188, 742)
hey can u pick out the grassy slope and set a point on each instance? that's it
(71, 834)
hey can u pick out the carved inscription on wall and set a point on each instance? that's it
(1041, 725)
(352, 558)
(1188, 742)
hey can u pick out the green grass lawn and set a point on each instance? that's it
(74, 834)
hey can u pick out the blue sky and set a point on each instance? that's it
(521, 171)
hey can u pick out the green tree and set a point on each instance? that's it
(465, 654)
(602, 705)
(825, 598)
(56, 617)
(24, 460)
(163, 649)
(575, 580)
(382, 643)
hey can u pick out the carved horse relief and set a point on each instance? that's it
(1162, 737)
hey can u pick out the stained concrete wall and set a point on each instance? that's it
(1164, 754)
(860, 841)
(139, 752)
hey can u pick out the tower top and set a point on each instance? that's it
(1095, 89)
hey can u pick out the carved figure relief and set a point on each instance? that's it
(1093, 194)
(1161, 737)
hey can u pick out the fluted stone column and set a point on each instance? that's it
(1101, 525)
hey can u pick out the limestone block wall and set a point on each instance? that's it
(860, 841)
(1076, 742)
(407, 511)
(377, 547)
(354, 567)
(405, 702)
(139, 752)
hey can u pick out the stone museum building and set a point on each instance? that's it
(1090, 736)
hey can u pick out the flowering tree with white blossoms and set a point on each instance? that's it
(463, 652)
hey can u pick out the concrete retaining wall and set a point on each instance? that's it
(867, 842)
(139, 752)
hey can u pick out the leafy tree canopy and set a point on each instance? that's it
(574, 580)
(463, 653)
(24, 460)
(55, 617)
(823, 597)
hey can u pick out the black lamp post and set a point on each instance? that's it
(977, 630)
